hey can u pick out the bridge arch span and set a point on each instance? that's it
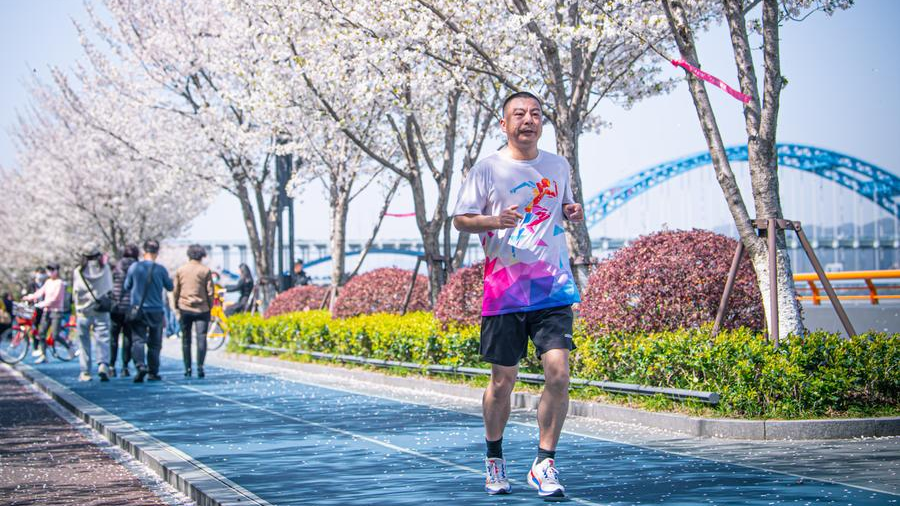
(879, 186)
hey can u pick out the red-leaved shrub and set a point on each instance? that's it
(460, 299)
(670, 280)
(298, 298)
(381, 291)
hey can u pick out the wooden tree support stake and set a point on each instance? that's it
(765, 227)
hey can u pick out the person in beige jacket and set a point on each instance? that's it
(193, 295)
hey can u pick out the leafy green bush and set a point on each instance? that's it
(414, 337)
(815, 375)
(808, 376)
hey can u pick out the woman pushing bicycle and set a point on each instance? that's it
(50, 297)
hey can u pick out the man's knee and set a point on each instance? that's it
(557, 381)
(556, 370)
(503, 379)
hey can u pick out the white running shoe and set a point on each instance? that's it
(36, 352)
(545, 479)
(496, 481)
(84, 377)
(41, 359)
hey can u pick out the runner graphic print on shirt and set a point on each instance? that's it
(524, 235)
(526, 267)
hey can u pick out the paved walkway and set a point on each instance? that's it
(291, 440)
(44, 459)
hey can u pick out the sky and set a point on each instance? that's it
(844, 79)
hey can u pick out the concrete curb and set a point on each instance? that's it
(203, 485)
(840, 428)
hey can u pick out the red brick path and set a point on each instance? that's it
(44, 460)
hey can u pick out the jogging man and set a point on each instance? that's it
(528, 285)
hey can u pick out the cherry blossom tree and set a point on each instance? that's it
(78, 188)
(571, 53)
(201, 62)
(412, 115)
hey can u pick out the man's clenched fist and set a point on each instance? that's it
(509, 218)
(574, 212)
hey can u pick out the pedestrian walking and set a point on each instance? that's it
(146, 281)
(244, 287)
(92, 286)
(119, 325)
(516, 200)
(49, 298)
(193, 295)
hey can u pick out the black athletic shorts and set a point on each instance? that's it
(504, 338)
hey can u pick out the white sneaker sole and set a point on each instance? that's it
(535, 484)
(500, 491)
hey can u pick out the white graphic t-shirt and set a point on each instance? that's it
(526, 267)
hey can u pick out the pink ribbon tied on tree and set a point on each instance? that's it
(715, 81)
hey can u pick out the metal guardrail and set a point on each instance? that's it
(607, 386)
(868, 286)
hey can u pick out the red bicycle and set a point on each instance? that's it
(15, 341)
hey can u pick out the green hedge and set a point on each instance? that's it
(817, 375)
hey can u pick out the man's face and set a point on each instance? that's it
(522, 121)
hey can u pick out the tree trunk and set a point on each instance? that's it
(762, 167)
(339, 210)
(431, 237)
(462, 246)
(432, 245)
(256, 248)
(577, 236)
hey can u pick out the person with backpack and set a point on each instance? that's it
(121, 302)
(92, 286)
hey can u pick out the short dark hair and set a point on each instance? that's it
(131, 251)
(196, 252)
(151, 246)
(520, 94)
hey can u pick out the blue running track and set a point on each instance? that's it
(296, 443)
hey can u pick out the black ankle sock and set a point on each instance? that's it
(545, 454)
(494, 449)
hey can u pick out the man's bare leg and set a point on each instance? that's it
(495, 403)
(555, 398)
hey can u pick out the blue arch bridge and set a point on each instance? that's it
(873, 245)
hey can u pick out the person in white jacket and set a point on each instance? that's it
(91, 290)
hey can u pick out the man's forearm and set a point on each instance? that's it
(476, 224)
